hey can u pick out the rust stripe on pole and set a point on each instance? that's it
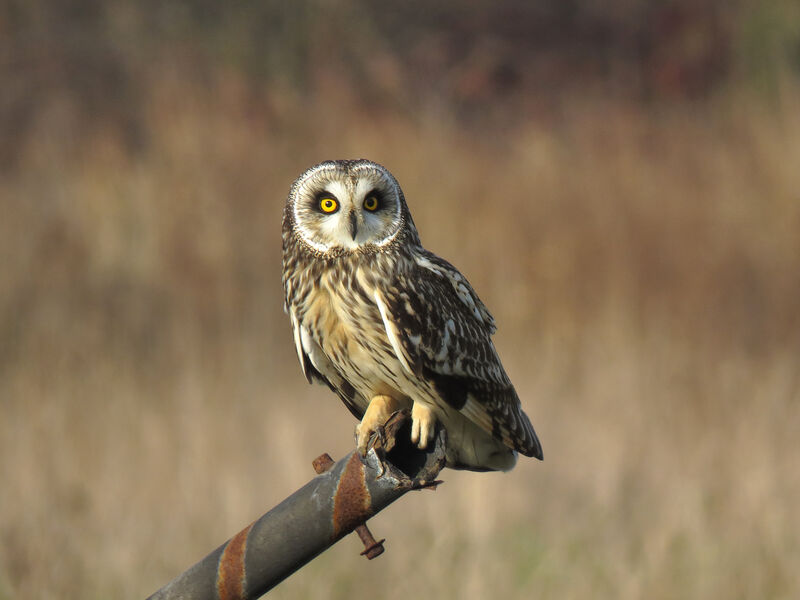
(312, 519)
(352, 499)
(372, 548)
(230, 572)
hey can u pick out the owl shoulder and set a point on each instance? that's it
(450, 281)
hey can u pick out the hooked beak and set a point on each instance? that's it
(353, 225)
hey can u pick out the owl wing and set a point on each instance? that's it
(441, 331)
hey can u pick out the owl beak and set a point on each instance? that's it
(353, 225)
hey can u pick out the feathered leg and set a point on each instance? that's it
(378, 412)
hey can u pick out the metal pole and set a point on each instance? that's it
(312, 519)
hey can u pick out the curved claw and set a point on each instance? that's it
(378, 437)
(377, 442)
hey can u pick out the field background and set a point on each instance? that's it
(620, 182)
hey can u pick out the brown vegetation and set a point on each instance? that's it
(642, 260)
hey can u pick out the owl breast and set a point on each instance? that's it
(343, 338)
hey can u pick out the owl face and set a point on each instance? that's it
(346, 206)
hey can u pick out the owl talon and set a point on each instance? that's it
(362, 441)
(377, 437)
(370, 429)
(423, 424)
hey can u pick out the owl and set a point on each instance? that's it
(388, 325)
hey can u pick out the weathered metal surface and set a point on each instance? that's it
(322, 463)
(351, 499)
(230, 572)
(312, 519)
(372, 548)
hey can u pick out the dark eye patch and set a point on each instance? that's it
(378, 202)
(316, 202)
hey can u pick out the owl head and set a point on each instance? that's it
(346, 206)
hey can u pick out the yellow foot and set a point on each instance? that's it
(378, 412)
(423, 422)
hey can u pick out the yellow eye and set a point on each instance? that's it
(328, 205)
(371, 203)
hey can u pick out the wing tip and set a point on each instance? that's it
(534, 451)
(532, 446)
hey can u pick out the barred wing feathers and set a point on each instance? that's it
(445, 331)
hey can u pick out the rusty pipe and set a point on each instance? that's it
(311, 520)
(372, 547)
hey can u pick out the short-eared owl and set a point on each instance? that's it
(387, 324)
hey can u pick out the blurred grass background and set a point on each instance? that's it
(618, 180)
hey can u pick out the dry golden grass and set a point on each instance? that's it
(644, 268)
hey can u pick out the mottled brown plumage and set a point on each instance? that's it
(387, 324)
